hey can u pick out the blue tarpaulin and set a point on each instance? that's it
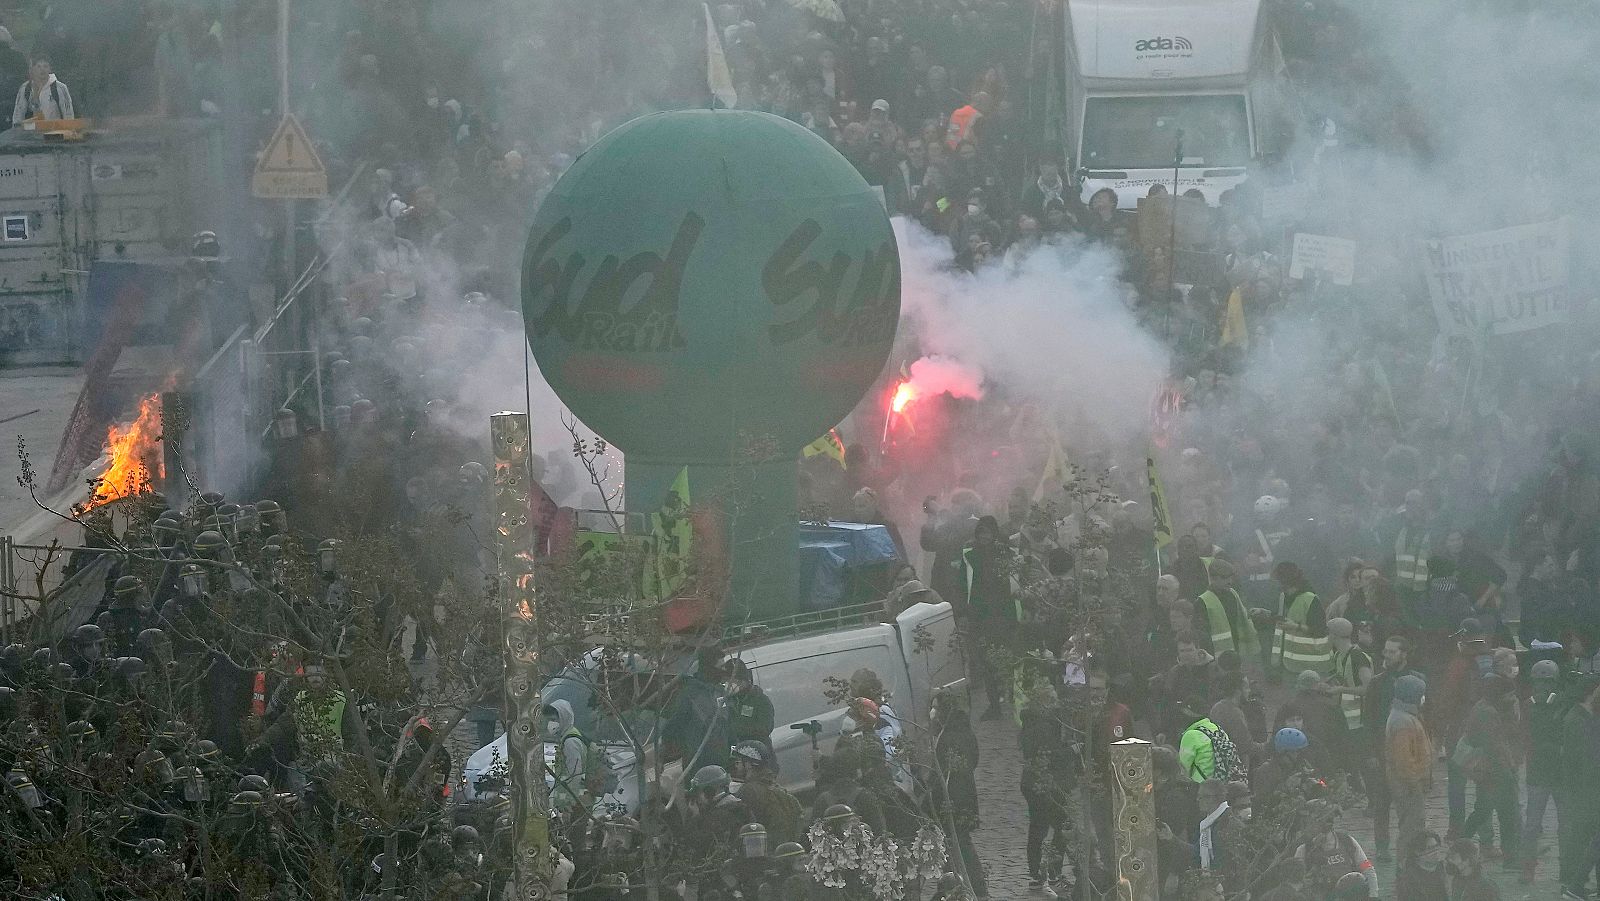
(830, 555)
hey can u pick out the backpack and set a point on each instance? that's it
(27, 96)
(1226, 764)
(598, 779)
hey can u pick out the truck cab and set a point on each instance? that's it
(1164, 91)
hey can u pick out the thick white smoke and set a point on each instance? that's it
(1047, 325)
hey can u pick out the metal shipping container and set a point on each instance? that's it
(134, 193)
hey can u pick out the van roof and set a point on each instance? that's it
(1139, 40)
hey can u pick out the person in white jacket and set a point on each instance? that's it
(42, 96)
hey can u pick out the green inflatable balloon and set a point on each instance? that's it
(700, 281)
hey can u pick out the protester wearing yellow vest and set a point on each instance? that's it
(1412, 547)
(1352, 670)
(1300, 641)
(1221, 613)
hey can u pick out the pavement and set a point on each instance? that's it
(51, 391)
(1002, 837)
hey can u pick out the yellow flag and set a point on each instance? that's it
(1056, 471)
(1159, 511)
(1234, 330)
(830, 444)
(671, 534)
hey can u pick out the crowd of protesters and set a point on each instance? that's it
(1330, 627)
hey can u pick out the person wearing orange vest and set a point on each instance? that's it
(963, 120)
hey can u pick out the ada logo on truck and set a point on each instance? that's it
(1149, 44)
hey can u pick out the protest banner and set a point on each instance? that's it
(1503, 281)
(1334, 258)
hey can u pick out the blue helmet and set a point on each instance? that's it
(1289, 740)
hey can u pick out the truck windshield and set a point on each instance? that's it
(1142, 132)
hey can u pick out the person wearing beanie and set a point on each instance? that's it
(1375, 705)
(1489, 757)
(1545, 708)
(1408, 758)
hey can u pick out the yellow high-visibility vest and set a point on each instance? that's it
(1347, 669)
(1411, 560)
(1293, 647)
(1221, 625)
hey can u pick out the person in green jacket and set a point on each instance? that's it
(1205, 751)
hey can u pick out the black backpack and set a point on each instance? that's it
(1227, 765)
(27, 95)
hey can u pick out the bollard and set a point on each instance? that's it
(514, 537)
(1134, 821)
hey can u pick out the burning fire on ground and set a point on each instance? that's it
(133, 455)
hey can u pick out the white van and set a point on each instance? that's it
(1140, 73)
(791, 660)
(915, 657)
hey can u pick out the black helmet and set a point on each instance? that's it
(462, 834)
(1351, 887)
(128, 585)
(205, 749)
(788, 850)
(838, 813)
(131, 668)
(251, 782)
(752, 752)
(154, 765)
(80, 731)
(246, 799)
(711, 776)
(209, 543)
(88, 633)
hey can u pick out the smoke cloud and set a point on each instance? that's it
(1049, 326)
(942, 375)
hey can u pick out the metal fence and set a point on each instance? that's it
(47, 590)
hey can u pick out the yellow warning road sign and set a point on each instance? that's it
(290, 169)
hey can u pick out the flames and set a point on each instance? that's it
(904, 393)
(133, 455)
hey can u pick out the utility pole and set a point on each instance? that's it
(289, 243)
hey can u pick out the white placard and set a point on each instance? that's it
(1333, 257)
(1508, 280)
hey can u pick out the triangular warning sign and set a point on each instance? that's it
(290, 150)
(290, 167)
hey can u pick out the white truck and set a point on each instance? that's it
(1140, 72)
(791, 660)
